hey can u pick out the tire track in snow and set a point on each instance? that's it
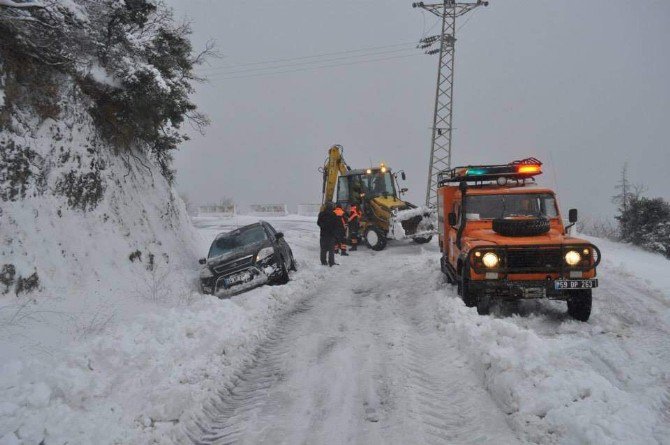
(446, 399)
(225, 416)
(358, 361)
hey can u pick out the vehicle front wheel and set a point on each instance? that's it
(469, 297)
(483, 305)
(579, 304)
(282, 277)
(375, 239)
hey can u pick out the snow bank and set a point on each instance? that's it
(93, 242)
(91, 224)
(135, 383)
(141, 378)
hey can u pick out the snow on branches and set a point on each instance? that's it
(14, 4)
(129, 57)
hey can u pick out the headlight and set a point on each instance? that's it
(206, 273)
(264, 253)
(490, 260)
(573, 258)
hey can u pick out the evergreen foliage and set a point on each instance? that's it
(129, 57)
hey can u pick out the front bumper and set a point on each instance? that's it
(529, 289)
(257, 278)
(249, 277)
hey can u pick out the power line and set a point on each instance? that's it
(314, 56)
(332, 59)
(310, 68)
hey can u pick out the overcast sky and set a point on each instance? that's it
(583, 86)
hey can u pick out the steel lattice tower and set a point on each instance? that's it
(440, 151)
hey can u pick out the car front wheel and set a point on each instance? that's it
(283, 276)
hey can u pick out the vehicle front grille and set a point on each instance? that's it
(537, 259)
(234, 265)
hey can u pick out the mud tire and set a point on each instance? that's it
(521, 227)
(579, 305)
(469, 297)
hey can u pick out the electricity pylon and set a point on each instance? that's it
(440, 151)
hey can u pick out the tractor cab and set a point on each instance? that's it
(362, 185)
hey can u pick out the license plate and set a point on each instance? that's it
(575, 284)
(239, 278)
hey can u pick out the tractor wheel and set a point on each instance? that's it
(579, 304)
(375, 239)
(422, 240)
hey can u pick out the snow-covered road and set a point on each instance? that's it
(356, 361)
(376, 350)
(381, 350)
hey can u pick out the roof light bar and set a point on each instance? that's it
(522, 169)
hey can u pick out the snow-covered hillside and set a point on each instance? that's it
(91, 229)
(377, 350)
(92, 226)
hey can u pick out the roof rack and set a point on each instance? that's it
(516, 170)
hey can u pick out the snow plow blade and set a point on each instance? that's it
(415, 223)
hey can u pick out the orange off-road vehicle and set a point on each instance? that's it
(502, 239)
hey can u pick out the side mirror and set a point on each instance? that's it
(202, 261)
(572, 216)
(452, 219)
(403, 176)
(279, 235)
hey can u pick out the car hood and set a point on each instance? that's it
(489, 237)
(251, 249)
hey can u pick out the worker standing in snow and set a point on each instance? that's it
(330, 227)
(354, 225)
(342, 238)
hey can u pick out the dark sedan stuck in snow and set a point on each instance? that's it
(245, 258)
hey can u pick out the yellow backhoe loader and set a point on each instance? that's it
(376, 192)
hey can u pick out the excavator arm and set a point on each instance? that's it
(333, 167)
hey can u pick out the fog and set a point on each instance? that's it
(583, 86)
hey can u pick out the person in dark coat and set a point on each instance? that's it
(330, 233)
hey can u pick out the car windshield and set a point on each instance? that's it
(379, 184)
(508, 206)
(236, 240)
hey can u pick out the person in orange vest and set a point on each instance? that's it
(342, 238)
(354, 224)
